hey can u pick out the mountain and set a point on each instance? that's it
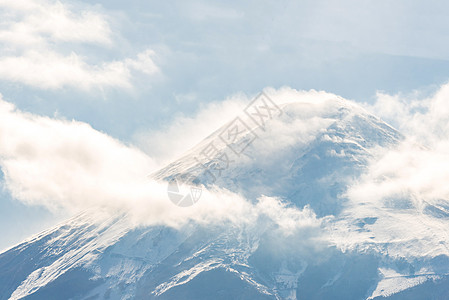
(304, 154)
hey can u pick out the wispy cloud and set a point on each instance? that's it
(38, 42)
(35, 23)
(52, 70)
(418, 167)
(405, 186)
(68, 165)
(186, 131)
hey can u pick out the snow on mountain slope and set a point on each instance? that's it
(338, 248)
(330, 140)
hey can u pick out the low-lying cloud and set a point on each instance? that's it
(417, 168)
(404, 189)
(64, 164)
(69, 166)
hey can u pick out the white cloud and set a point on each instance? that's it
(419, 166)
(405, 185)
(51, 70)
(143, 63)
(184, 132)
(409, 171)
(36, 37)
(27, 23)
(64, 164)
(67, 165)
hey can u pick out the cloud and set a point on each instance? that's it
(405, 186)
(185, 132)
(64, 164)
(69, 166)
(419, 165)
(38, 39)
(409, 171)
(31, 23)
(143, 63)
(51, 70)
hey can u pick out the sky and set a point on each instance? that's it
(145, 79)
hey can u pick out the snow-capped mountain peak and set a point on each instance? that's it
(305, 157)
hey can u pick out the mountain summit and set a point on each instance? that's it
(310, 241)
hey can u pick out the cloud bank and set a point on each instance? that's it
(61, 163)
(68, 165)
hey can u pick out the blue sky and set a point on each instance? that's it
(132, 69)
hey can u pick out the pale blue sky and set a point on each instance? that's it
(195, 52)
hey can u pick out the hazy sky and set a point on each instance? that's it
(130, 69)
